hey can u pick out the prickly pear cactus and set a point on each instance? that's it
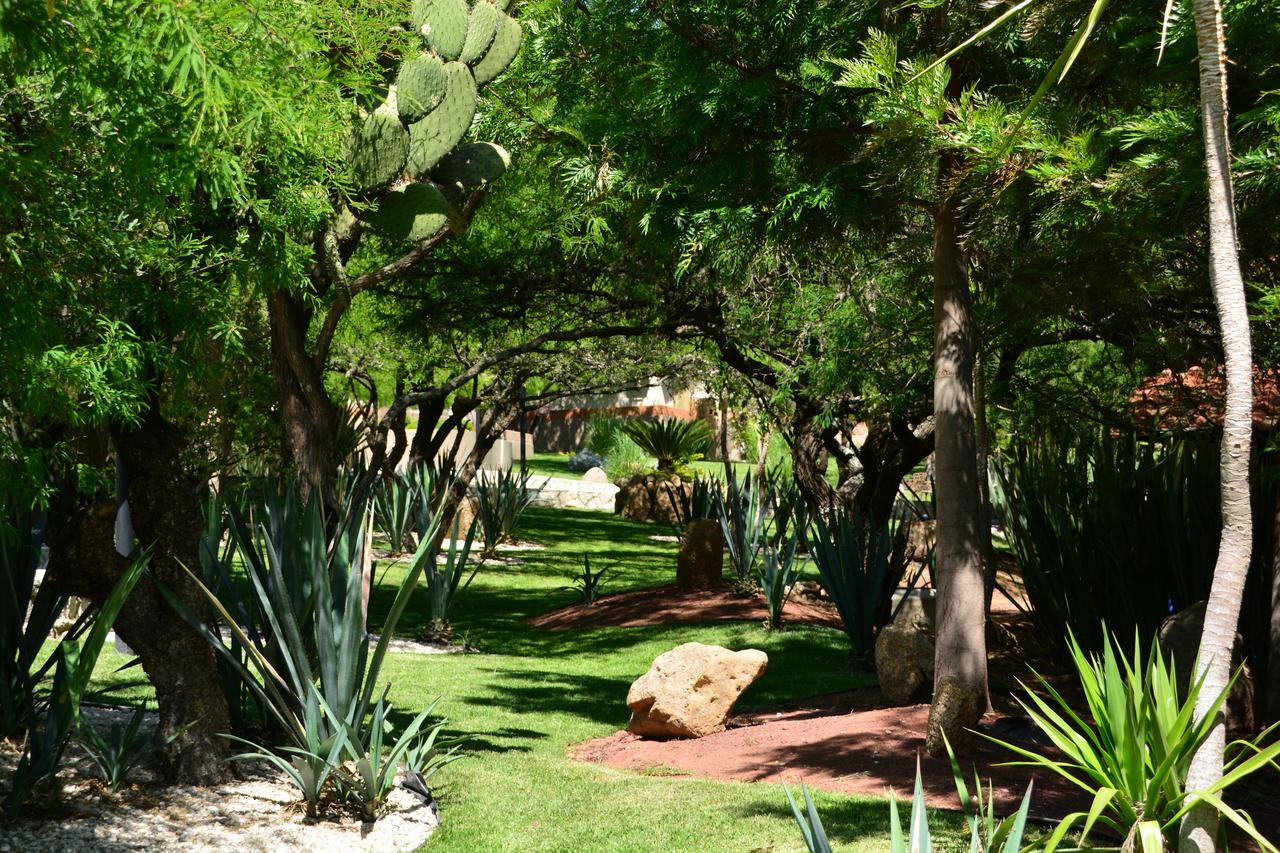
(445, 126)
(505, 46)
(481, 27)
(443, 23)
(380, 147)
(471, 165)
(420, 86)
(411, 212)
(414, 138)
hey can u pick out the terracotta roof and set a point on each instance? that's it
(1192, 399)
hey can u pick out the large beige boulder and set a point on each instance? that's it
(689, 691)
(595, 475)
(904, 663)
(700, 561)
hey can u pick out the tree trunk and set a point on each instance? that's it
(1273, 656)
(309, 418)
(165, 508)
(989, 564)
(960, 668)
(1213, 664)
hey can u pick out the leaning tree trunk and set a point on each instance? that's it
(307, 414)
(165, 508)
(960, 668)
(1213, 664)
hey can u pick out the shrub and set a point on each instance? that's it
(625, 459)
(860, 566)
(698, 502)
(673, 442)
(1133, 755)
(603, 434)
(585, 460)
(501, 498)
(1113, 528)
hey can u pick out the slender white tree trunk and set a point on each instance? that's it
(960, 668)
(1199, 828)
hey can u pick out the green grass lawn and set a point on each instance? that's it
(557, 465)
(529, 695)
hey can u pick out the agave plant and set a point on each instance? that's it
(743, 520)
(673, 442)
(860, 565)
(501, 498)
(119, 751)
(587, 582)
(1132, 750)
(57, 719)
(444, 582)
(779, 570)
(987, 833)
(394, 511)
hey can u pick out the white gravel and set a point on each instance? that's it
(259, 812)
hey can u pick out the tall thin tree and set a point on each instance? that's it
(1213, 664)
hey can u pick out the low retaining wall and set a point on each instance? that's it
(572, 494)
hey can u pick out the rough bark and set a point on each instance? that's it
(1273, 657)
(309, 418)
(961, 662)
(1199, 827)
(892, 451)
(180, 664)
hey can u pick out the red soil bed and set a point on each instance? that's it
(665, 605)
(849, 742)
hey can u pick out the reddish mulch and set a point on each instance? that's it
(849, 742)
(664, 605)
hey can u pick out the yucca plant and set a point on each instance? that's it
(672, 441)
(860, 565)
(444, 582)
(57, 719)
(501, 498)
(394, 511)
(1132, 750)
(778, 572)
(809, 821)
(119, 751)
(698, 502)
(744, 522)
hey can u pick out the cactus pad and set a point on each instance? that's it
(443, 23)
(481, 27)
(471, 165)
(445, 126)
(379, 149)
(420, 86)
(506, 44)
(412, 212)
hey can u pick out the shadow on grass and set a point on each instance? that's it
(590, 697)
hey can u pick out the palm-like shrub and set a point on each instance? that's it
(673, 442)
(1132, 750)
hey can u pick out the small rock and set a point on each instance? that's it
(595, 475)
(689, 691)
(904, 663)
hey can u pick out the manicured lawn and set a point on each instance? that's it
(529, 695)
